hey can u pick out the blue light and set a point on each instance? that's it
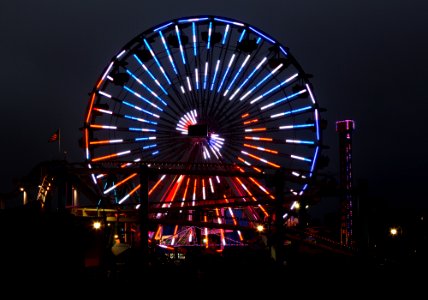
(141, 129)
(155, 153)
(236, 75)
(140, 120)
(283, 99)
(229, 22)
(226, 72)
(209, 35)
(215, 74)
(146, 87)
(283, 50)
(291, 112)
(181, 45)
(149, 146)
(157, 61)
(226, 31)
(167, 51)
(192, 20)
(140, 109)
(194, 38)
(163, 26)
(242, 35)
(142, 98)
(314, 159)
(261, 34)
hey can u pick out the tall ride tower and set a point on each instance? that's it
(345, 129)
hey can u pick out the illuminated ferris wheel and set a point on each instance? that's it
(214, 106)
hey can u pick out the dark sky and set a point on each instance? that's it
(368, 58)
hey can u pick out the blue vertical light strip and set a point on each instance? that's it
(171, 60)
(226, 72)
(195, 52)
(226, 31)
(150, 74)
(317, 124)
(157, 61)
(197, 78)
(242, 35)
(205, 75)
(215, 74)
(209, 35)
(177, 30)
(315, 158)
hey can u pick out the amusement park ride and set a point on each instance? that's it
(198, 130)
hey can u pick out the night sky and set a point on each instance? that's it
(368, 59)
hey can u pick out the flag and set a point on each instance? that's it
(54, 137)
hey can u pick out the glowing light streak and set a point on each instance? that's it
(215, 75)
(260, 159)
(291, 112)
(106, 142)
(226, 72)
(263, 35)
(285, 82)
(114, 155)
(211, 185)
(140, 109)
(120, 183)
(103, 111)
(141, 129)
(256, 138)
(205, 75)
(194, 192)
(120, 54)
(296, 126)
(314, 159)
(195, 52)
(163, 26)
(157, 61)
(197, 78)
(261, 82)
(283, 99)
(129, 194)
(261, 149)
(104, 94)
(182, 89)
(149, 146)
(283, 50)
(299, 142)
(192, 20)
(146, 87)
(255, 129)
(262, 188)
(229, 22)
(317, 123)
(142, 98)
(242, 35)
(145, 138)
(189, 86)
(183, 199)
(140, 120)
(226, 31)
(209, 35)
(157, 184)
(181, 45)
(203, 189)
(106, 72)
(251, 121)
(248, 78)
(103, 126)
(300, 158)
(236, 75)
(244, 161)
(169, 54)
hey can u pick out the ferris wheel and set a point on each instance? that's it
(213, 107)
